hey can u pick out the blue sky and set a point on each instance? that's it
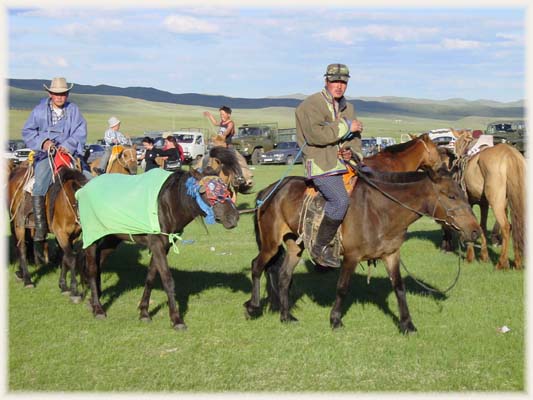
(433, 53)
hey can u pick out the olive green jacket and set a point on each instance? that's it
(319, 127)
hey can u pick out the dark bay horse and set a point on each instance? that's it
(381, 209)
(61, 213)
(494, 177)
(176, 209)
(416, 153)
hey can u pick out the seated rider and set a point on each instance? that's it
(328, 134)
(55, 124)
(112, 137)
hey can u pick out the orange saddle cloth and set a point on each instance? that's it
(349, 178)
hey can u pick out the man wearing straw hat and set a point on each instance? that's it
(55, 124)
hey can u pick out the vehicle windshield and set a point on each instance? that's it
(503, 127)
(249, 131)
(369, 142)
(185, 138)
(287, 145)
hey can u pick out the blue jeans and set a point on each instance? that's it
(43, 177)
(337, 199)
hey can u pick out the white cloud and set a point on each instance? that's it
(188, 25)
(343, 35)
(53, 61)
(381, 32)
(460, 44)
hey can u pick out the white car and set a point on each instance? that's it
(193, 144)
(442, 137)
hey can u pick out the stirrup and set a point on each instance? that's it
(325, 256)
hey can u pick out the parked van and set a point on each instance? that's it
(193, 144)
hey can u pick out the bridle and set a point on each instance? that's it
(448, 220)
(124, 161)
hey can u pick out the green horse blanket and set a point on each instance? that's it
(117, 203)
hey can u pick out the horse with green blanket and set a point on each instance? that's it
(160, 205)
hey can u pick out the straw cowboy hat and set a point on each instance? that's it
(113, 121)
(58, 85)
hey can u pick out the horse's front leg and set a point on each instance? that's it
(159, 259)
(23, 273)
(392, 263)
(68, 263)
(252, 306)
(347, 269)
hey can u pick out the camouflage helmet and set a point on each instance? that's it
(337, 72)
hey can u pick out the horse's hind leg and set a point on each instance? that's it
(148, 285)
(159, 259)
(92, 275)
(484, 211)
(292, 256)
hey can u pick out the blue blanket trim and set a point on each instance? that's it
(194, 192)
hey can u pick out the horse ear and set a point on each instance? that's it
(412, 135)
(455, 133)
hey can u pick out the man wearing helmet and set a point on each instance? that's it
(329, 133)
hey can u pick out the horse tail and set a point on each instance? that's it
(64, 176)
(516, 196)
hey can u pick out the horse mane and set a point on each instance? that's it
(397, 177)
(64, 175)
(399, 147)
(229, 160)
(176, 184)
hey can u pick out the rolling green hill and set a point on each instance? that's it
(380, 117)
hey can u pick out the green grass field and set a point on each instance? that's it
(59, 347)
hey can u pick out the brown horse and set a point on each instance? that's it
(382, 206)
(125, 162)
(238, 176)
(177, 205)
(494, 177)
(61, 217)
(409, 156)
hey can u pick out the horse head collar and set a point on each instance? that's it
(214, 190)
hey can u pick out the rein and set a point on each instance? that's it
(362, 175)
(452, 285)
(51, 154)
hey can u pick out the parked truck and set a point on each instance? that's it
(511, 132)
(252, 140)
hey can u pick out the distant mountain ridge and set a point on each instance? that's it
(420, 108)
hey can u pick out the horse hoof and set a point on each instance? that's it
(18, 276)
(408, 329)
(337, 324)
(289, 319)
(30, 285)
(100, 316)
(145, 319)
(65, 292)
(75, 299)
(180, 326)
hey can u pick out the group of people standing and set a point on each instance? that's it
(327, 131)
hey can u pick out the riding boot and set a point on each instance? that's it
(39, 215)
(322, 250)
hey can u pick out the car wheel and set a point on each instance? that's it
(289, 160)
(256, 156)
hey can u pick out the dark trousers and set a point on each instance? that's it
(333, 190)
